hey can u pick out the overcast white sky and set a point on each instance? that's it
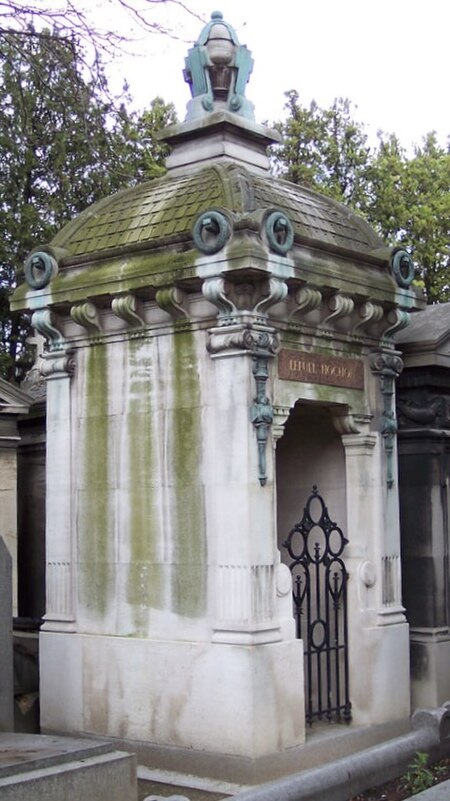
(391, 58)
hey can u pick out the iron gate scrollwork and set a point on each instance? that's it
(315, 546)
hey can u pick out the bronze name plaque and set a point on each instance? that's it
(315, 368)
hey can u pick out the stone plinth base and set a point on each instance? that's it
(228, 699)
(430, 675)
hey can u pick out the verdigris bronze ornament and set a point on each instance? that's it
(39, 269)
(217, 70)
(402, 268)
(280, 232)
(211, 231)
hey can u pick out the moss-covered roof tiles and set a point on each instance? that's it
(168, 207)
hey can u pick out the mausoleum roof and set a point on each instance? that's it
(166, 209)
(218, 211)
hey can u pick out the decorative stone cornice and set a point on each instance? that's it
(128, 308)
(304, 300)
(49, 326)
(171, 300)
(368, 313)
(86, 315)
(214, 290)
(277, 291)
(338, 306)
(394, 321)
(236, 300)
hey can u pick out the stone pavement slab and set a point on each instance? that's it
(50, 768)
(441, 792)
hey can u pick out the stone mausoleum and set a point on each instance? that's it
(221, 440)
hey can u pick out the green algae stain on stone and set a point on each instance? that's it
(144, 574)
(189, 573)
(96, 575)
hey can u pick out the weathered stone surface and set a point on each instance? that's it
(42, 767)
(6, 646)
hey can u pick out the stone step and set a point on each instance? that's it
(53, 768)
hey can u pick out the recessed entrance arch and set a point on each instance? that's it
(312, 544)
(309, 452)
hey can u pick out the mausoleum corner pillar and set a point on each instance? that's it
(58, 366)
(242, 484)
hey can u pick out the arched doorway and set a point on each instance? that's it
(311, 525)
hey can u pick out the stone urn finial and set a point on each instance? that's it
(217, 70)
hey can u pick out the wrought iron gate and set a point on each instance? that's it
(315, 546)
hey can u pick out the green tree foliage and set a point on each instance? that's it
(405, 197)
(324, 149)
(408, 200)
(63, 146)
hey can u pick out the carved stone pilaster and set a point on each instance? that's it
(387, 365)
(245, 604)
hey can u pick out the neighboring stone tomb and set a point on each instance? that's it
(423, 406)
(219, 342)
(14, 404)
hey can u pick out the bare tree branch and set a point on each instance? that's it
(71, 19)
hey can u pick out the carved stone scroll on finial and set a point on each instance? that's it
(47, 324)
(86, 315)
(128, 308)
(171, 300)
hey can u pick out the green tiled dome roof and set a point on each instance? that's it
(165, 210)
